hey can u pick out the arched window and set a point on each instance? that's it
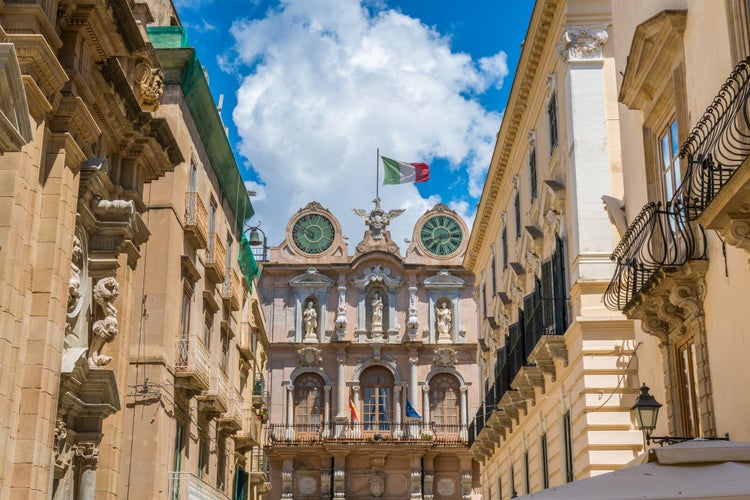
(308, 403)
(377, 393)
(445, 403)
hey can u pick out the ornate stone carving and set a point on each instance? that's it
(76, 293)
(445, 356)
(377, 484)
(62, 448)
(309, 356)
(104, 330)
(581, 43)
(150, 84)
(87, 454)
(340, 324)
(377, 219)
(412, 322)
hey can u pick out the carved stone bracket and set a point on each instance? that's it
(105, 329)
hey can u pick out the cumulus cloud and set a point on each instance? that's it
(326, 83)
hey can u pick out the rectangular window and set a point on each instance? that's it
(229, 254)
(513, 492)
(221, 461)
(224, 351)
(493, 270)
(212, 217)
(178, 444)
(193, 177)
(484, 300)
(687, 378)
(526, 475)
(207, 326)
(517, 210)
(545, 460)
(202, 458)
(669, 160)
(499, 486)
(567, 447)
(532, 172)
(185, 315)
(552, 122)
(504, 241)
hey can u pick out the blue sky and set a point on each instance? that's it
(313, 87)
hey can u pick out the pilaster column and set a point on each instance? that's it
(464, 411)
(341, 383)
(290, 411)
(413, 360)
(397, 432)
(287, 478)
(326, 409)
(87, 458)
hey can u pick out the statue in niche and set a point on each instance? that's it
(310, 318)
(104, 330)
(377, 312)
(444, 320)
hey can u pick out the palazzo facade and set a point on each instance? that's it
(372, 359)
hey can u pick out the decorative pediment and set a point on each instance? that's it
(311, 279)
(654, 52)
(443, 279)
(309, 356)
(377, 274)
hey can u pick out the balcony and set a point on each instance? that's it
(216, 259)
(191, 364)
(656, 246)
(413, 433)
(233, 419)
(260, 395)
(250, 433)
(260, 470)
(215, 400)
(185, 485)
(196, 220)
(716, 185)
(231, 292)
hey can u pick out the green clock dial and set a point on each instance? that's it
(313, 233)
(441, 235)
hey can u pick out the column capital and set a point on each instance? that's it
(87, 454)
(355, 388)
(327, 388)
(464, 389)
(289, 387)
(425, 388)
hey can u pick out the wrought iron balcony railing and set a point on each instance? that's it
(186, 485)
(191, 362)
(232, 289)
(216, 258)
(370, 432)
(196, 219)
(718, 145)
(659, 237)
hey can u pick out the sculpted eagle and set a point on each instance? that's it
(377, 219)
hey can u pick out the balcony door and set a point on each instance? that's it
(308, 404)
(445, 403)
(377, 394)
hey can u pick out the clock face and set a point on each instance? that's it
(441, 235)
(313, 233)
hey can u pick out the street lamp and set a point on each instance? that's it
(254, 240)
(646, 411)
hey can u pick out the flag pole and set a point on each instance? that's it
(377, 175)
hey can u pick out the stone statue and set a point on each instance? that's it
(444, 320)
(104, 330)
(377, 311)
(310, 318)
(377, 219)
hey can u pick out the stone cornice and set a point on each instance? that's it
(537, 38)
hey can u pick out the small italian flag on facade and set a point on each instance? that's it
(398, 172)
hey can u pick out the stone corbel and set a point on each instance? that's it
(105, 329)
(737, 232)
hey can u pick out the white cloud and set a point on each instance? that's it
(326, 83)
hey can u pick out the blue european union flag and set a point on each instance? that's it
(410, 411)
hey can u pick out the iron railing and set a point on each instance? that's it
(372, 432)
(659, 237)
(191, 358)
(718, 144)
(216, 256)
(232, 288)
(196, 217)
(186, 485)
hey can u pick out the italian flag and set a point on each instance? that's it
(398, 172)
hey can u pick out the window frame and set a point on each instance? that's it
(377, 400)
(686, 380)
(308, 400)
(567, 447)
(441, 387)
(552, 122)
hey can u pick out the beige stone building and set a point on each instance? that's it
(682, 261)
(372, 367)
(103, 363)
(559, 368)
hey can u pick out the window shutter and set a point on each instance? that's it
(560, 289)
(549, 304)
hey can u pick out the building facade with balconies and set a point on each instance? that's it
(682, 261)
(372, 370)
(558, 369)
(80, 143)
(193, 426)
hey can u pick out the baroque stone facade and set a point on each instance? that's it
(371, 400)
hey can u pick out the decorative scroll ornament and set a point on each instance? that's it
(377, 219)
(104, 330)
(87, 454)
(309, 356)
(150, 83)
(62, 448)
(581, 43)
(445, 356)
